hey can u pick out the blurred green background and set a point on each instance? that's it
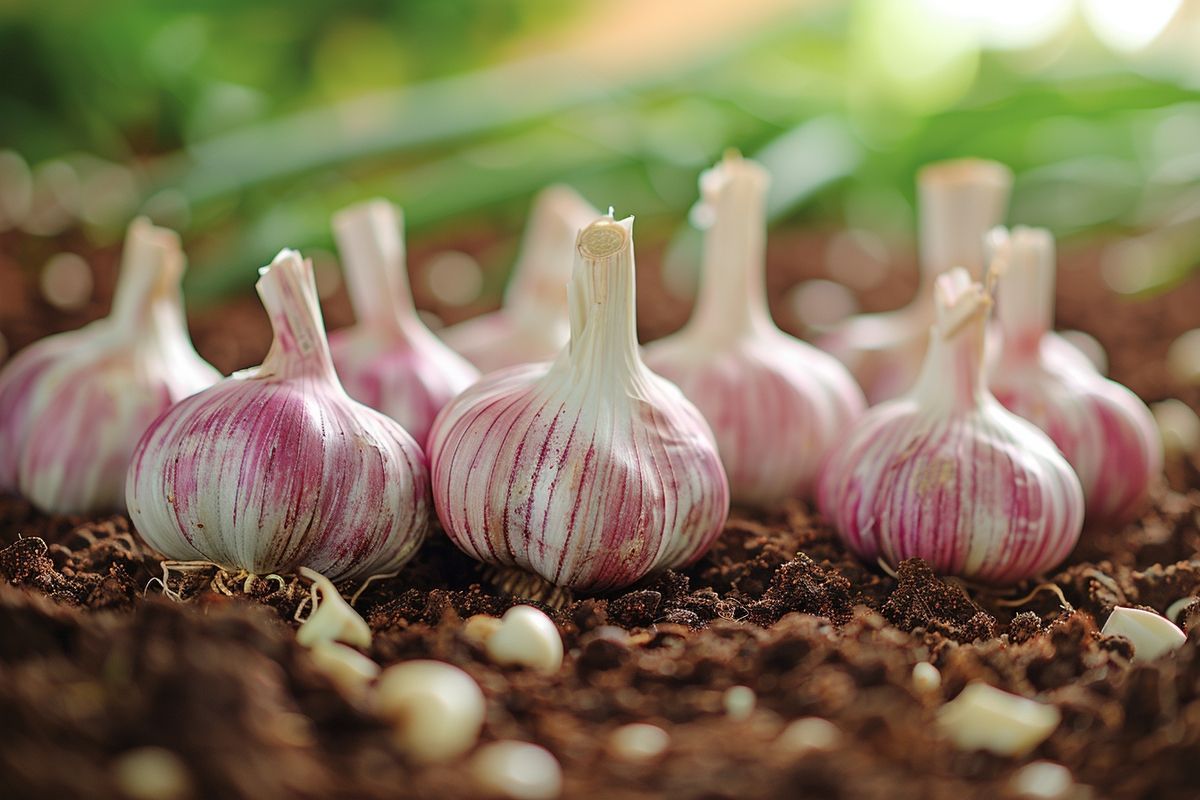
(245, 125)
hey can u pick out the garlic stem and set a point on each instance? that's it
(956, 346)
(369, 239)
(289, 294)
(603, 302)
(733, 294)
(1025, 295)
(536, 294)
(151, 267)
(958, 200)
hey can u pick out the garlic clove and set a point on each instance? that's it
(1042, 780)
(1152, 635)
(389, 360)
(926, 677)
(437, 709)
(739, 702)
(809, 734)
(983, 717)
(517, 771)
(528, 638)
(480, 628)
(73, 406)
(276, 468)
(591, 471)
(1178, 427)
(776, 405)
(349, 670)
(532, 324)
(639, 742)
(333, 619)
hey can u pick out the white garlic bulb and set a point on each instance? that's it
(277, 468)
(776, 405)
(946, 473)
(73, 406)
(389, 360)
(592, 471)
(959, 201)
(532, 324)
(1105, 431)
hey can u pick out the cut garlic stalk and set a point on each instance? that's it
(532, 324)
(389, 360)
(946, 473)
(276, 468)
(776, 405)
(592, 471)
(73, 406)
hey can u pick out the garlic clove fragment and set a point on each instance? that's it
(73, 406)
(1105, 431)
(958, 202)
(946, 473)
(983, 717)
(591, 471)
(389, 360)
(276, 468)
(1152, 635)
(532, 324)
(776, 404)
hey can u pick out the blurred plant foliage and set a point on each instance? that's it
(246, 124)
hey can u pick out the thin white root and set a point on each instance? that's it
(883, 565)
(1050, 587)
(381, 576)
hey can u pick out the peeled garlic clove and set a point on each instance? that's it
(517, 771)
(350, 670)
(959, 201)
(592, 471)
(276, 468)
(946, 473)
(73, 406)
(1106, 433)
(639, 742)
(389, 360)
(776, 405)
(1178, 426)
(332, 619)
(437, 709)
(983, 717)
(1152, 635)
(527, 637)
(532, 324)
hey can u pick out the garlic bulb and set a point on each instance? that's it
(1106, 432)
(276, 468)
(390, 360)
(73, 406)
(776, 405)
(591, 471)
(946, 473)
(532, 324)
(959, 201)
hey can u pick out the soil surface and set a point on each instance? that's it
(104, 679)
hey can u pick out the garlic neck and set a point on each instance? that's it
(537, 291)
(147, 300)
(370, 239)
(1025, 294)
(952, 379)
(959, 202)
(289, 294)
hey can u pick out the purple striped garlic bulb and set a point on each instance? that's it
(390, 360)
(946, 474)
(959, 202)
(590, 471)
(776, 405)
(1105, 431)
(276, 468)
(73, 406)
(532, 324)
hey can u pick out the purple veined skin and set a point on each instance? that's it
(959, 201)
(389, 360)
(946, 474)
(1105, 431)
(592, 471)
(775, 404)
(73, 406)
(532, 324)
(276, 468)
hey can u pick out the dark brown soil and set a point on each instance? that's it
(95, 663)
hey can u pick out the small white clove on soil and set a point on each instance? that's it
(639, 742)
(983, 717)
(437, 710)
(528, 638)
(1152, 635)
(517, 771)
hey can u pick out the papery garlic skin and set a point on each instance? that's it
(959, 201)
(591, 471)
(947, 474)
(1105, 431)
(73, 406)
(775, 404)
(532, 324)
(389, 360)
(276, 468)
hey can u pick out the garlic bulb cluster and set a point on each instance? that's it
(946, 473)
(390, 360)
(959, 202)
(591, 471)
(1105, 431)
(532, 324)
(776, 405)
(276, 468)
(73, 406)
